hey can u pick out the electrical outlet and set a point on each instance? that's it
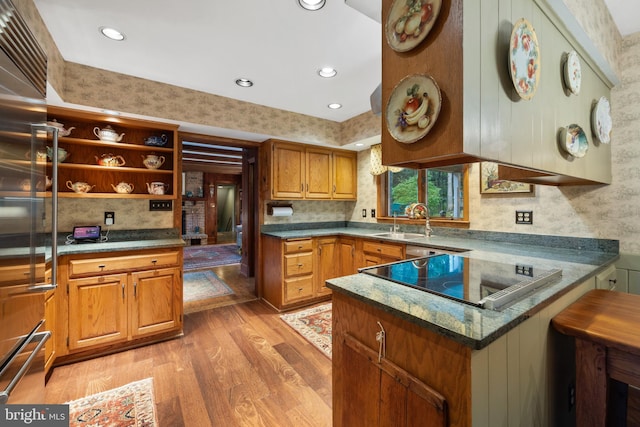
(160, 205)
(373, 213)
(572, 396)
(109, 218)
(364, 213)
(524, 217)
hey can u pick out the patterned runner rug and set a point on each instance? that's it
(129, 405)
(200, 285)
(314, 324)
(199, 257)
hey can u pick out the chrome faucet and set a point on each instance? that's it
(427, 227)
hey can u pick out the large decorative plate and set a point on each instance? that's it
(410, 21)
(574, 141)
(524, 59)
(601, 120)
(572, 72)
(413, 108)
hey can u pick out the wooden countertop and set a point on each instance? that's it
(606, 317)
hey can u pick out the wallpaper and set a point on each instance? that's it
(610, 212)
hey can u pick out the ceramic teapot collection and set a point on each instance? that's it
(157, 188)
(110, 160)
(79, 187)
(107, 134)
(151, 161)
(123, 188)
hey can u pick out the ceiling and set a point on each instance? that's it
(207, 44)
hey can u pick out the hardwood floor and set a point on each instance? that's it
(243, 289)
(238, 365)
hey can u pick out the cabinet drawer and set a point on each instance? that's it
(393, 251)
(298, 264)
(293, 246)
(82, 267)
(298, 288)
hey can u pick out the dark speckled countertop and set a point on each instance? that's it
(124, 240)
(578, 258)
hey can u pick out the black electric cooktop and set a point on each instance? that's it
(472, 281)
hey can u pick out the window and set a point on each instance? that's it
(443, 189)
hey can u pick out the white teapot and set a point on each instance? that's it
(107, 134)
(123, 188)
(151, 161)
(157, 188)
(79, 187)
(61, 130)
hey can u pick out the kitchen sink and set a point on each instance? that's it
(399, 235)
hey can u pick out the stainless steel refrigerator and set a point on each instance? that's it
(27, 248)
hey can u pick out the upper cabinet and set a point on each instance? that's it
(102, 156)
(463, 60)
(303, 172)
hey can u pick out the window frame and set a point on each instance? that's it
(382, 197)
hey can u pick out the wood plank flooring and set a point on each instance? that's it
(238, 365)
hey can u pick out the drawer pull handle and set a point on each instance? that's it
(300, 265)
(154, 261)
(135, 289)
(101, 266)
(299, 289)
(123, 292)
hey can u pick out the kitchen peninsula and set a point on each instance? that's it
(474, 366)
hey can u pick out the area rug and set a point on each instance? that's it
(314, 324)
(129, 405)
(200, 285)
(199, 257)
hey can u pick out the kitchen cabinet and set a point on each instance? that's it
(104, 165)
(375, 252)
(383, 394)
(481, 116)
(302, 172)
(117, 300)
(327, 263)
(347, 256)
(290, 271)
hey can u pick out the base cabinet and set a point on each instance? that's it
(119, 300)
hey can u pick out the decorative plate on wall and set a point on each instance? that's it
(574, 141)
(524, 59)
(601, 120)
(572, 72)
(409, 22)
(413, 108)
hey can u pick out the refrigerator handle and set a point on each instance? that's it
(54, 206)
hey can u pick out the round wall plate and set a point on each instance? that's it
(601, 123)
(572, 72)
(524, 59)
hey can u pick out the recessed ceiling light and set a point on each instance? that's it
(312, 4)
(244, 82)
(327, 72)
(112, 33)
(334, 106)
(359, 144)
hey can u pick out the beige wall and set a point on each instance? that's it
(603, 212)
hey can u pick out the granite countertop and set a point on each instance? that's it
(578, 258)
(124, 240)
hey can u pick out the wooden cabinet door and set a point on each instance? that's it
(327, 265)
(345, 170)
(155, 300)
(288, 171)
(50, 325)
(379, 393)
(347, 256)
(97, 311)
(318, 174)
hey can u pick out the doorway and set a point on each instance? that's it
(225, 212)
